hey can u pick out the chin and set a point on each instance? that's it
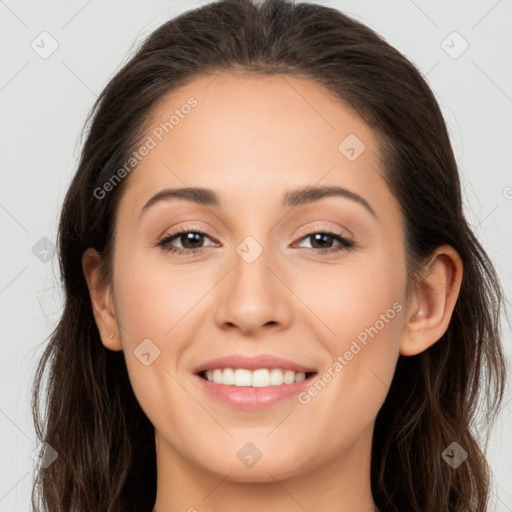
(267, 469)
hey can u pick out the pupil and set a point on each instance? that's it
(191, 238)
(316, 239)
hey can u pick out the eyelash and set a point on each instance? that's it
(165, 242)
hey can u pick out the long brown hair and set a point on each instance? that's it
(105, 443)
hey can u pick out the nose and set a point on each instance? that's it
(253, 298)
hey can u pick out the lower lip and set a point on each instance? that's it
(248, 398)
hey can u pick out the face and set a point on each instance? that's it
(292, 302)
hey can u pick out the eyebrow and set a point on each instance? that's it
(298, 197)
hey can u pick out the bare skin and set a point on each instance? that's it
(251, 139)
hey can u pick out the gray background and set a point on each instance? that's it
(44, 102)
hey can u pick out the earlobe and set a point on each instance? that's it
(101, 300)
(434, 301)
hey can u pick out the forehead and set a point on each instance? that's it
(250, 134)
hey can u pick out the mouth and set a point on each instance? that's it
(251, 383)
(259, 378)
(252, 390)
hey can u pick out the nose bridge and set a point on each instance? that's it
(252, 296)
(251, 280)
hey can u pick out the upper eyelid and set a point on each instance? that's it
(335, 231)
(181, 231)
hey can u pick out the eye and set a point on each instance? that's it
(189, 240)
(321, 242)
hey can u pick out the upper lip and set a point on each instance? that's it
(252, 363)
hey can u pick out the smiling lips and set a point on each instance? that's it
(251, 383)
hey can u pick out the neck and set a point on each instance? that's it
(341, 484)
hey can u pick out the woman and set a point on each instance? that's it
(273, 299)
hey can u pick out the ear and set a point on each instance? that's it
(433, 301)
(101, 300)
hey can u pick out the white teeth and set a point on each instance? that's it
(242, 377)
(289, 377)
(300, 377)
(276, 377)
(259, 378)
(228, 376)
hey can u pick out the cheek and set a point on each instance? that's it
(153, 300)
(363, 306)
(359, 298)
(371, 325)
(371, 303)
(348, 393)
(152, 305)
